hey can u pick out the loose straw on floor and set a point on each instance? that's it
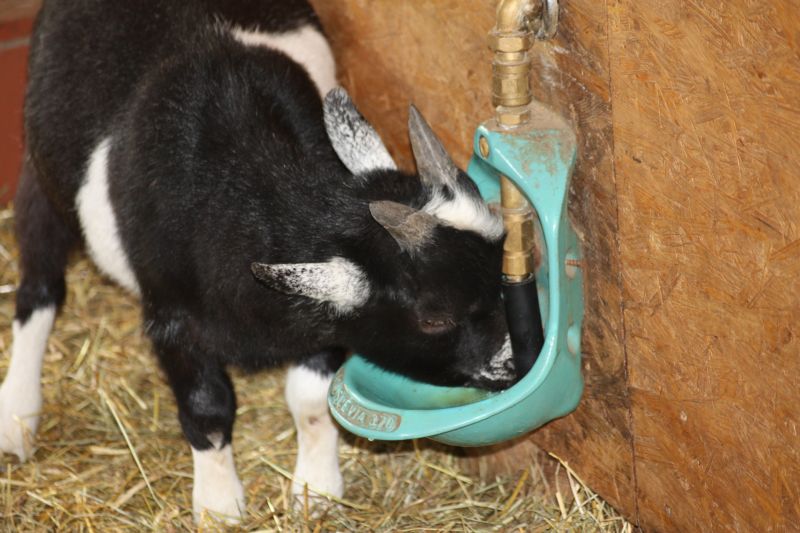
(102, 388)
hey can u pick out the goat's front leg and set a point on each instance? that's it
(206, 409)
(317, 437)
(44, 242)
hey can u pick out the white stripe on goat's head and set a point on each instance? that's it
(465, 212)
(454, 199)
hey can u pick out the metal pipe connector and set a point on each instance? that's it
(510, 40)
(518, 247)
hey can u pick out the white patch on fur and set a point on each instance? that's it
(21, 392)
(305, 45)
(501, 365)
(217, 493)
(465, 212)
(337, 282)
(356, 142)
(317, 437)
(99, 222)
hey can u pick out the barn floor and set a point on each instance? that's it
(110, 456)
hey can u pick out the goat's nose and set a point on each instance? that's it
(498, 371)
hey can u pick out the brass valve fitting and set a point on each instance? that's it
(510, 40)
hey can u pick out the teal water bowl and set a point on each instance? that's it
(376, 404)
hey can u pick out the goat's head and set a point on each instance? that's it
(430, 308)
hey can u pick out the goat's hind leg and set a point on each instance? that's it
(44, 241)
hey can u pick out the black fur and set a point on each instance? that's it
(219, 158)
(45, 242)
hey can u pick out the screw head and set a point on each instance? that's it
(572, 263)
(483, 144)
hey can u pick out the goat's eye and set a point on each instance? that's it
(435, 325)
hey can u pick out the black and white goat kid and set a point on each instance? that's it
(188, 145)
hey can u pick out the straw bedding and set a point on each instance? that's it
(110, 456)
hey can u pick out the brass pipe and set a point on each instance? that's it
(518, 220)
(510, 40)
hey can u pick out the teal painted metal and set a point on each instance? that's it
(376, 404)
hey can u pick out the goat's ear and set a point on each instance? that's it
(356, 142)
(435, 166)
(338, 282)
(411, 228)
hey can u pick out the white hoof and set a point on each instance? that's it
(320, 485)
(317, 464)
(21, 392)
(217, 494)
(19, 417)
(225, 509)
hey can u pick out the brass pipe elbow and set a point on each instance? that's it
(516, 15)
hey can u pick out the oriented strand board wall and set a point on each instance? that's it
(435, 54)
(706, 114)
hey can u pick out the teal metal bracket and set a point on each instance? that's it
(376, 404)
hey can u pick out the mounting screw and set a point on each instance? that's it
(572, 264)
(483, 144)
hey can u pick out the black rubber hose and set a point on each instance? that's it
(524, 322)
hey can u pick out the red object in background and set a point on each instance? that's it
(14, 37)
